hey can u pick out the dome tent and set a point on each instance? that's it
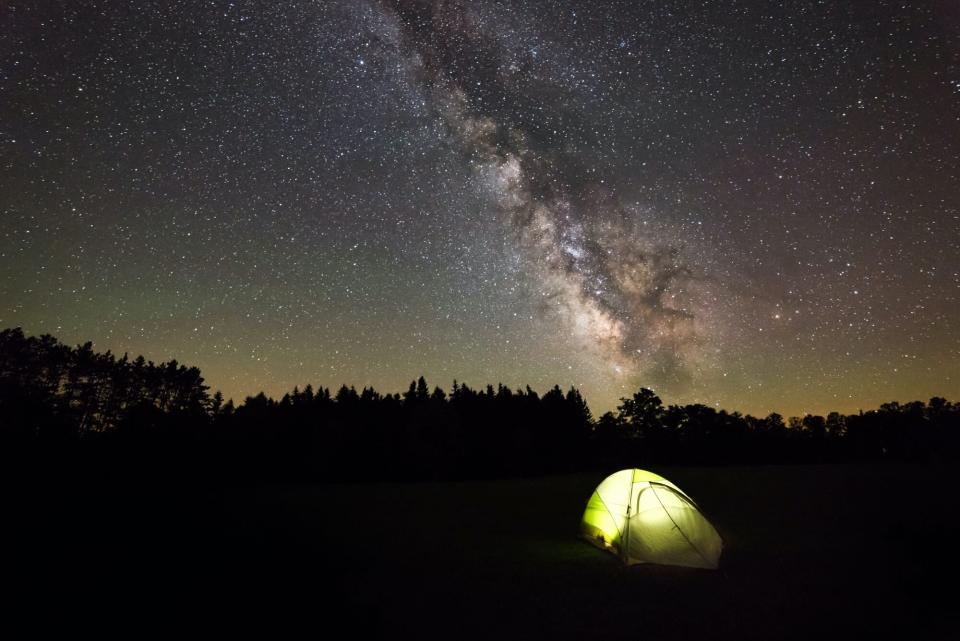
(644, 518)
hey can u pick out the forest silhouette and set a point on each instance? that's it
(57, 400)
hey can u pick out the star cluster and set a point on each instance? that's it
(737, 203)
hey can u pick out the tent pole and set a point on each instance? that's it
(625, 547)
(677, 526)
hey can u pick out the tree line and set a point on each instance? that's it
(56, 397)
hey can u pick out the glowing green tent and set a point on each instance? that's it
(644, 518)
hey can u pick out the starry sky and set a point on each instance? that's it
(747, 204)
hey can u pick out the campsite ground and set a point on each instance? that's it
(826, 551)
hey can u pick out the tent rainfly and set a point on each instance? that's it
(644, 518)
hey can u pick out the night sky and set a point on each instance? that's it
(741, 204)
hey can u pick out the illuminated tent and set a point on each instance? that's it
(644, 518)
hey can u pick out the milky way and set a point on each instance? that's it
(623, 295)
(741, 203)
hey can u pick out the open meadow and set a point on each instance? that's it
(810, 551)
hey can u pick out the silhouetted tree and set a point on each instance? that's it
(137, 411)
(642, 414)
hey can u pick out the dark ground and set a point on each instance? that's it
(810, 551)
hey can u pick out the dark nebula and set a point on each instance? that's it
(736, 203)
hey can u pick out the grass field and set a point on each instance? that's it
(810, 551)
